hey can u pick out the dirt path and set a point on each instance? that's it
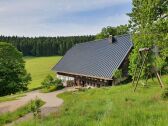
(51, 104)
(49, 98)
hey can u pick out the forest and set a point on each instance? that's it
(45, 46)
(49, 46)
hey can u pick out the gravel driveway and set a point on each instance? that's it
(50, 99)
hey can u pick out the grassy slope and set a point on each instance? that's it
(11, 97)
(12, 116)
(40, 67)
(117, 106)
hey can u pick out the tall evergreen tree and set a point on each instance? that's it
(45, 46)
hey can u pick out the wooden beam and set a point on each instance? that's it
(159, 79)
(140, 71)
(75, 74)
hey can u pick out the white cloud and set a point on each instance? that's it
(62, 6)
(27, 17)
(63, 29)
(116, 20)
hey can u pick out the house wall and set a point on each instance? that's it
(124, 66)
(64, 79)
(83, 80)
(88, 81)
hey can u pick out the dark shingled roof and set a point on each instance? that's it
(99, 58)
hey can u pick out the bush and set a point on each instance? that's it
(59, 86)
(50, 84)
(118, 73)
(35, 108)
(50, 81)
(165, 94)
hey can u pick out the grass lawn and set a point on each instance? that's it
(11, 97)
(111, 106)
(51, 89)
(39, 68)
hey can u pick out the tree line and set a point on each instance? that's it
(45, 46)
(109, 30)
(48, 46)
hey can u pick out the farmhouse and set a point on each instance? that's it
(94, 63)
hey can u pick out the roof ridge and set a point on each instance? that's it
(102, 39)
(126, 34)
(90, 41)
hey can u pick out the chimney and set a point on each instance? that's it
(111, 39)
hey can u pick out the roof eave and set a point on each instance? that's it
(77, 74)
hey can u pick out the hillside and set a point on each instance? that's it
(39, 68)
(118, 106)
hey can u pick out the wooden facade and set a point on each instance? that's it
(83, 81)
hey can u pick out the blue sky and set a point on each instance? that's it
(61, 17)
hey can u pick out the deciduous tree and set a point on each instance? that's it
(13, 76)
(149, 26)
(106, 31)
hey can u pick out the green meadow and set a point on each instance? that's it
(39, 68)
(110, 106)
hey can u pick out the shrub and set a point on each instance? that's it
(50, 81)
(59, 86)
(51, 84)
(118, 73)
(35, 108)
(165, 94)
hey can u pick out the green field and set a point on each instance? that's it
(111, 106)
(39, 68)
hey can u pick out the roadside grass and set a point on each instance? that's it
(107, 106)
(12, 116)
(11, 97)
(51, 89)
(39, 68)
